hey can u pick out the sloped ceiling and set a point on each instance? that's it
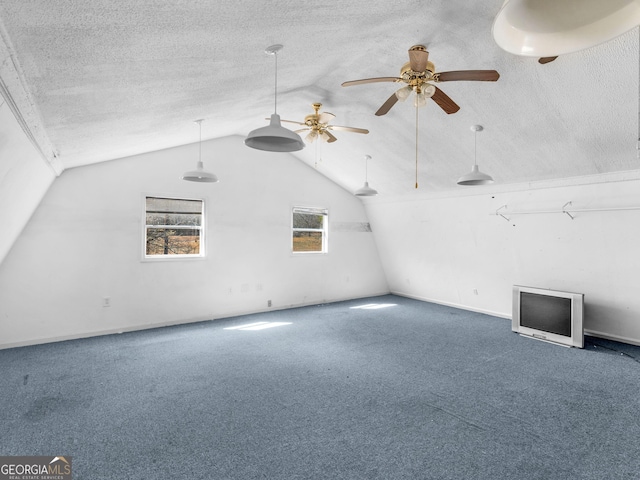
(113, 78)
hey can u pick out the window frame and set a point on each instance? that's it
(201, 228)
(324, 230)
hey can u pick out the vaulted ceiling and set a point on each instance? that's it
(103, 79)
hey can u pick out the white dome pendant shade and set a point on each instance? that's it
(200, 174)
(475, 176)
(366, 190)
(548, 28)
(274, 137)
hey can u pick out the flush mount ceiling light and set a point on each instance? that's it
(366, 190)
(547, 28)
(199, 174)
(475, 177)
(274, 137)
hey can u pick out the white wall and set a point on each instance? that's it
(24, 179)
(84, 243)
(442, 249)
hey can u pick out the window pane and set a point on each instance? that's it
(173, 205)
(307, 241)
(174, 226)
(165, 241)
(189, 219)
(305, 220)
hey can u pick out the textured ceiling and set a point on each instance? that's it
(107, 79)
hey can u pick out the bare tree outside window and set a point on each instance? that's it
(309, 229)
(173, 227)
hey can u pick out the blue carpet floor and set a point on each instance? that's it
(378, 388)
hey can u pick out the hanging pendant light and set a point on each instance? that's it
(274, 137)
(558, 27)
(475, 177)
(366, 190)
(200, 174)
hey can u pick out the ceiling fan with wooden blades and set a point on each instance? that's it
(419, 75)
(318, 125)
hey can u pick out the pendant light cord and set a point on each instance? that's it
(199, 122)
(366, 169)
(275, 96)
(475, 147)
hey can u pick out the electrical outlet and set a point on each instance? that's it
(106, 301)
(268, 303)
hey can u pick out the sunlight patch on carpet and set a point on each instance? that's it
(258, 326)
(374, 306)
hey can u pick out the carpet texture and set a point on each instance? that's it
(401, 389)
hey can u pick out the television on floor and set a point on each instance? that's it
(549, 315)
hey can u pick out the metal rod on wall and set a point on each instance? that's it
(501, 213)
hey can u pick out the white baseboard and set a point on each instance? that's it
(136, 328)
(454, 305)
(615, 338)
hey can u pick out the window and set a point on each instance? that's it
(309, 230)
(174, 227)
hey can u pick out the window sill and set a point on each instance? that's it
(173, 258)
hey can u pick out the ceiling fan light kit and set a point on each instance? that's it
(274, 137)
(548, 28)
(404, 92)
(199, 174)
(475, 177)
(318, 124)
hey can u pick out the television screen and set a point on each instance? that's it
(549, 314)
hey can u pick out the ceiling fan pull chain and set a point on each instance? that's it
(416, 146)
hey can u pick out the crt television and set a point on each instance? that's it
(549, 315)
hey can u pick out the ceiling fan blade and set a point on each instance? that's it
(386, 106)
(325, 117)
(301, 130)
(328, 137)
(418, 58)
(445, 103)
(348, 129)
(371, 80)
(290, 121)
(544, 60)
(477, 75)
